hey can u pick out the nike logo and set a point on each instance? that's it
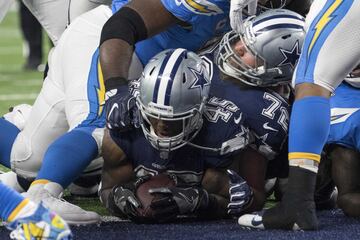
(237, 120)
(266, 126)
(256, 221)
(113, 107)
(190, 200)
(110, 93)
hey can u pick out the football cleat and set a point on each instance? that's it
(251, 221)
(72, 214)
(42, 225)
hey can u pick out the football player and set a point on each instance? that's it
(184, 134)
(318, 73)
(256, 67)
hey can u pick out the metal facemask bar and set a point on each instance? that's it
(191, 125)
(231, 64)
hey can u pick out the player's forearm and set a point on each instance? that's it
(115, 57)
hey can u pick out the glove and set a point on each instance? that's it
(235, 14)
(126, 201)
(241, 194)
(176, 200)
(121, 110)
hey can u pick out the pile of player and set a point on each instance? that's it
(130, 94)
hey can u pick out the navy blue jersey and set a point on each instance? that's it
(222, 135)
(265, 113)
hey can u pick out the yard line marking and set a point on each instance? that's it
(113, 219)
(9, 97)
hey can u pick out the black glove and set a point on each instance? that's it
(173, 201)
(240, 192)
(126, 200)
(120, 105)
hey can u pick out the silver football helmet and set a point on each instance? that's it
(174, 88)
(274, 38)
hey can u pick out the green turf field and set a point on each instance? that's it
(16, 85)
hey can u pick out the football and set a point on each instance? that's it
(142, 192)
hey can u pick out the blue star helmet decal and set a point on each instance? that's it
(200, 79)
(290, 57)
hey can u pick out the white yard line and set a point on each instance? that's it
(113, 219)
(11, 97)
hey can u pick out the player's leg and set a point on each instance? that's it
(46, 122)
(84, 89)
(53, 15)
(11, 124)
(325, 191)
(345, 172)
(79, 7)
(8, 134)
(20, 213)
(329, 41)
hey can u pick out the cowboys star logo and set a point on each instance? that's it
(290, 57)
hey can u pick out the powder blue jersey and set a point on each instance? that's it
(345, 117)
(204, 20)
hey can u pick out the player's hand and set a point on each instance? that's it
(236, 16)
(126, 200)
(241, 195)
(176, 200)
(121, 110)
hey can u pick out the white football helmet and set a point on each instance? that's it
(174, 86)
(275, 38)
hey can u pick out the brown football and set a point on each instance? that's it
(142, 192)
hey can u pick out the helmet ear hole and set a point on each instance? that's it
(286, 36)
(152, 70)
(184, 78)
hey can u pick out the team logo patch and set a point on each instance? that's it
(200, 79)
(203, 7)
(290, 56)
